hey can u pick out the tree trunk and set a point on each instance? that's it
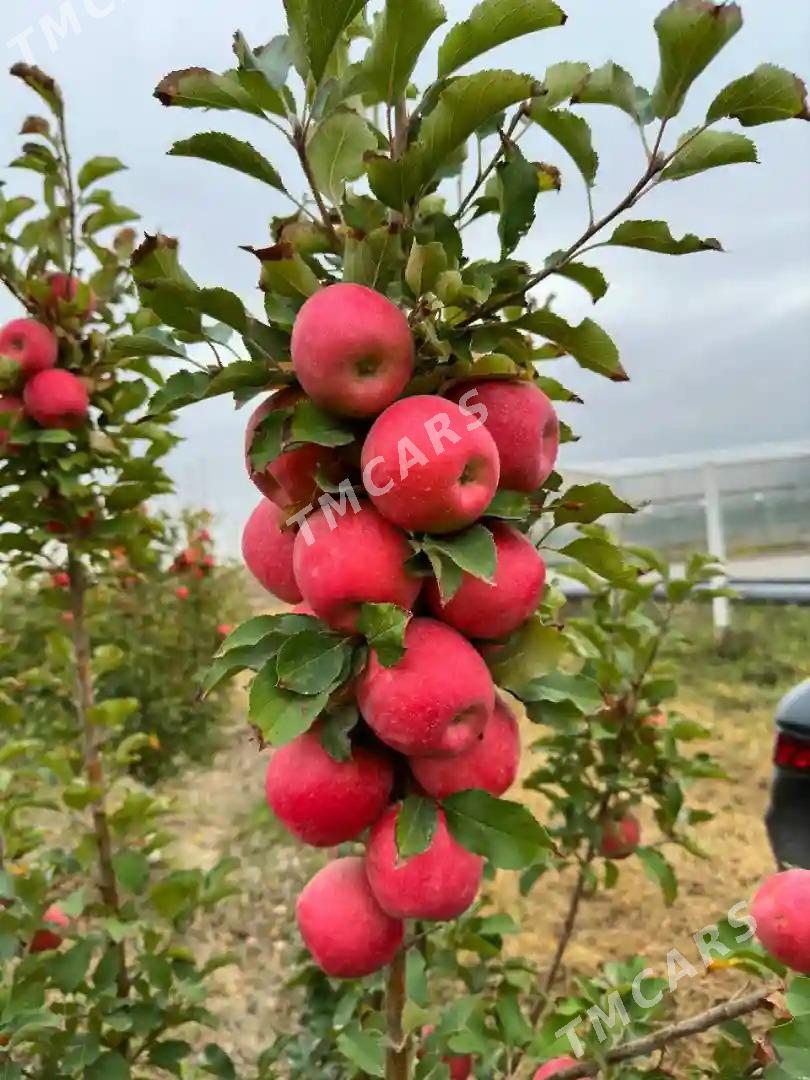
(397, 1065)
(93, 767)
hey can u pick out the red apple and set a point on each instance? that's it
(43, 940)
(224, 630)
(14, 407)
(322, 801)
(482, 610)
(60, 580)
(524, 425)
(359, 561)
(182, 593)
(621, 837)
(459, 1066)
(441, 883)
(343, 926)
(436, 700)
(56, 399)
(290, 479)
(490, 764)
(781, 910)
(352, 350)
(64, 289)
(551, 1068)
(429, 466)
(31, 344)
(267, 549)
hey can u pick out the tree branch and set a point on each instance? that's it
(299, 144)
(483, 174)
(696, 1025)
(396, 1055)
(70, 193)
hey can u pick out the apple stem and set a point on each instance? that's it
(397, 1054)
(94, 770)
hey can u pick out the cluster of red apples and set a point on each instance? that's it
(29, 352)
(431, 723)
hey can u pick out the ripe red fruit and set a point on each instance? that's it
(56, 399)
(490, 764)
(224, 629)
(460, 1066)
(524, 425)
(13, 406)
(322, 801)
(290, 479)
(343, 926)
(64, 289)
(482, 610)
(436, 700)
(181, 592)
(68, 618)
(441, 883)
(359, 561)
(352, 350)
(60, 580)
(551, 1068)
(30, 343)
(429, 466)
(620, 838)
(268, 551)
(781, 908)
(49, 939)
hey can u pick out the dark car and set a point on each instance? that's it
(788, 816)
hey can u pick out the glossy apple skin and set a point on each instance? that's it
(428, 466)
(267, 549)
(31, 344)
(485, 611)
(352, 350)
(781, 909)
(440, 884)
(290, 479)
(436, 700)
(44, 940)
(359, 561)
(343, 926)
(325, 802)
(490, 764)
(524, 425)
(56, 399)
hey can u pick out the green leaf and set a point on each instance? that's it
(336, 151)
(656, 236)
(400, 35)
(426, 263)
(67, 971)
(508, 506)
(182, 388)
(530, 652)
(310, 663)
(132, 870)
(790, 1041)
(503, 832)
(472, 551)
(659, 870)
(96, 169)
(798, 997)
(588, 343)
(199, 88)
(463, 105)
(767, 95)
(612, 85)
(363, 1049)
(384, 626)
(558, 687)
(324, 22)
(518, 194)
(285, 273)
(690, 34)
(602, 557)
(585, 503)
(233, 153)
(574, 136)
(493, 22)
(115, 711)
(335, 729)
(312, 425)
(218, 1063)
(110, 1066)
(168, 1055)
(709, 150)
(416, 825)
(590, 278)
(281, 715)
(153, 342)
(561, 81)
(41, 84)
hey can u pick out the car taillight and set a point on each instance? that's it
(792, 752)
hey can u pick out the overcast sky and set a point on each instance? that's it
(717, 346)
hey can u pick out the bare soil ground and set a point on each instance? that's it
(220, 812)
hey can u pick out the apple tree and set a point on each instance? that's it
(406, 459)
(95, 977)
